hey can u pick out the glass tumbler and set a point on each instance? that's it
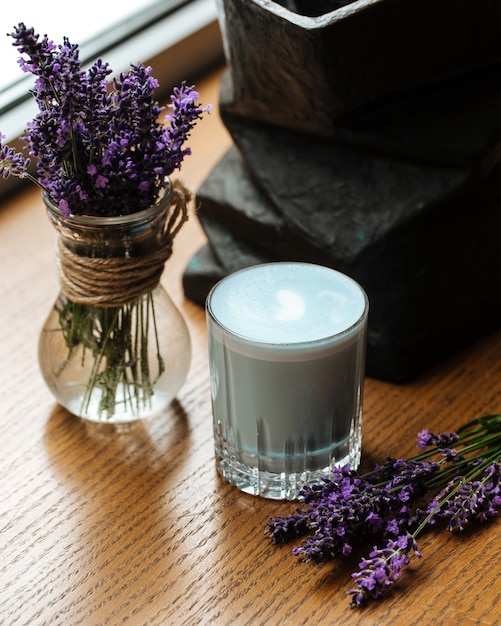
(287, 357)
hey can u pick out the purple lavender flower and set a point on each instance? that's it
(335, 508)
(99, 153)
(12, 162)
(423, 438)
(427, 438)
(348, 507)
(397, 501)
(465, 500)
(185, 112)
(381, 569)
(282, 529)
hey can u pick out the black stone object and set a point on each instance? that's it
(433, 278)
(403, 193)
(293, 68)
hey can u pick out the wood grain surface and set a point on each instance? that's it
(132, 525)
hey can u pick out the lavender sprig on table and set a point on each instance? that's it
(454, 480)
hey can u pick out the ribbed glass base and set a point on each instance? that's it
(279, 485)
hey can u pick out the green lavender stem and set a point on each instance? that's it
(116, 339)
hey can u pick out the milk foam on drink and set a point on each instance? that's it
(287, 348)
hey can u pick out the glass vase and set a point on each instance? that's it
(114, 347)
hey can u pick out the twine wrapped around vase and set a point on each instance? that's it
(115, 281)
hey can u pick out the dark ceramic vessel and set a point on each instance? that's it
(303, 63)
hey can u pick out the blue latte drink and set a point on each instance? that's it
(287, 354)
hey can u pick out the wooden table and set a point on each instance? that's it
(134, 526)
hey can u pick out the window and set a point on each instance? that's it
(178, 38)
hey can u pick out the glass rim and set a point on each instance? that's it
(321, 343)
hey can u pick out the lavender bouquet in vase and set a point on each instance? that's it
(114, 347)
